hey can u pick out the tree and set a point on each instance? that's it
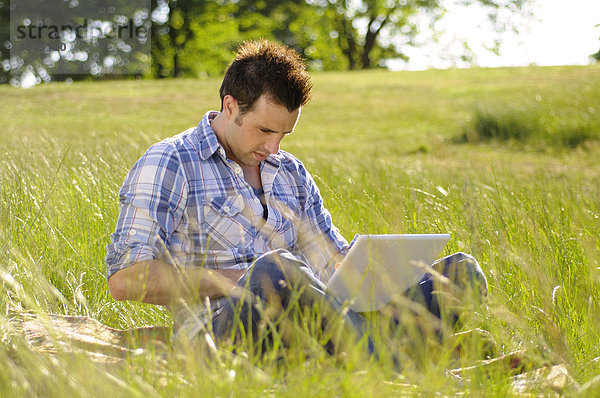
(296, 24)
(366, 32)
(359, 27)
(4, 40)
(170, 32)
(101, 38)
(197, 37)
(355, 34)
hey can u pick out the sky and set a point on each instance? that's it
(561, 33)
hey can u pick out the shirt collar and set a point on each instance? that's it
(274, 159)
(208, 141)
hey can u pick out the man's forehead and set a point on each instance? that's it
(273, 116)
(269, 100)
(271, 127)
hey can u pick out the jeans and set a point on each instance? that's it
(280, 284)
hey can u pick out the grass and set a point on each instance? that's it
(533, 126)
(383, 149)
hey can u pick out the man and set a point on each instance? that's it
(217, 223)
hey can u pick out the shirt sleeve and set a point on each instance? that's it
(152, 200)
(319, 241)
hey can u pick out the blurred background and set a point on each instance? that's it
(196, 38)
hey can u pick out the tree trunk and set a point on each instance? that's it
(367, 48)
(186, 9)
(159, 51)
(349, 52)
(176, 68)
(349, 47)
(371, 40)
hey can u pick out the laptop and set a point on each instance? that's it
(378, 267)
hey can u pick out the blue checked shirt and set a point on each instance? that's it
(186, 204)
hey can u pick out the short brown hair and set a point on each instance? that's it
(264, 67)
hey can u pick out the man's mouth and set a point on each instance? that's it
(260, 156)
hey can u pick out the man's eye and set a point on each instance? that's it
(273, 132)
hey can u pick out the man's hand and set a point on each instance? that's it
(155, 282)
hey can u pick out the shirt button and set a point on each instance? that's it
(257, 201)
(132, 232)
(226, 209)
(238, 170)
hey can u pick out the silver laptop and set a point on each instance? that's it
(377, 267)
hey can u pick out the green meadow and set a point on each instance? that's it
(506, 160)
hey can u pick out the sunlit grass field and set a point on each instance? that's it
(506, 160)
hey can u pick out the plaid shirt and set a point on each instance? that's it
(186, 204)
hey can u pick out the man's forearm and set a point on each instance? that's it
(155, 282)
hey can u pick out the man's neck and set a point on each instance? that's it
(252, 176)
(251, 173)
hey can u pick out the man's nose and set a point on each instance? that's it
(272, 144)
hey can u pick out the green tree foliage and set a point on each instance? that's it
(4, 42)
(197, 37)
(368, 32)
(54, 39)
(363, 30)
(193, 38)
(350, 34)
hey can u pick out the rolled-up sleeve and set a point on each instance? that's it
(152, 201)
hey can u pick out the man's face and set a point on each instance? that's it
(251, 137)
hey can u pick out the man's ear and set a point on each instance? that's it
(230, 106)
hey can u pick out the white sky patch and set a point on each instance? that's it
(28, 79)
(560, 33)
